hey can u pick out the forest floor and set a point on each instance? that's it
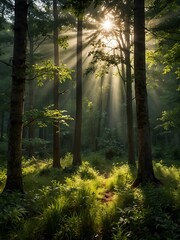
(94, 201)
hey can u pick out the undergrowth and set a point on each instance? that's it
(91, 202)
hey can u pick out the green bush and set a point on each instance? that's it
(12, 213)
(66, 161)
(40, 147)
(110, 144)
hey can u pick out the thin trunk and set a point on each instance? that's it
(14, 170)
(78, 120)
(123, 103)
(100, 115)
(56, 127)
(129, 109)
(107, 121)
(145, 166)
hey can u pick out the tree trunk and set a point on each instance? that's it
(56, 127)
(100, 108)
(78, 120)
(31, 130)
(14, 170)
(129, 109)
(107, 120)
(145, 167)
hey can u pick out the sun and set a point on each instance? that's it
(107, 25)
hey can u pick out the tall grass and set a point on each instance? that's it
(91, 203)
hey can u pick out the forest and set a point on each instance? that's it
(89, 120)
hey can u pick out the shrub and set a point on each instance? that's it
(12, 212)
(110, 143)
(66, 161)
(37, 144)
(87, 172)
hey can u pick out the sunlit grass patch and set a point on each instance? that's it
(71, 215)
(169, 175)
(2, 178)
(121, 176)
(34, 165)
(85, 171)
(103, 165)
(66, 161)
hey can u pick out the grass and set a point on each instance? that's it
(94, 201)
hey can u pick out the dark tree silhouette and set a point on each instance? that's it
(145, 167)
(56, 127)
(14, 171)
(78, 120)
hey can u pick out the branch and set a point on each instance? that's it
(63, 92)
(40, 42)
(154, 33)
(7, 64)
(36, 76)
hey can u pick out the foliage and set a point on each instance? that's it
(170, 119)
(99, 55)
(77, 7)
(48, 115)
(167, 33)
(63, 42)
(2, 176)
(47, 69)
(88, 205)
(66, 161)
(12, 212)
(39, 145)
(110, 143)
(164, 59)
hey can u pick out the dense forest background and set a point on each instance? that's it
(89, 90)
(104, 92)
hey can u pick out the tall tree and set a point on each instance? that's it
(14, 170)
(78, 120)
(78, 8)
(56, 127)
(145, 167)
(31, 129)
(129, 107)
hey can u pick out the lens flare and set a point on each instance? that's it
(107, 25)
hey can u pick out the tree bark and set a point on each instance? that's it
(129, 108)
(78, 119)
(100, 108)
(56, 127)
(31, 129)
(14, 170)
(145, 167)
